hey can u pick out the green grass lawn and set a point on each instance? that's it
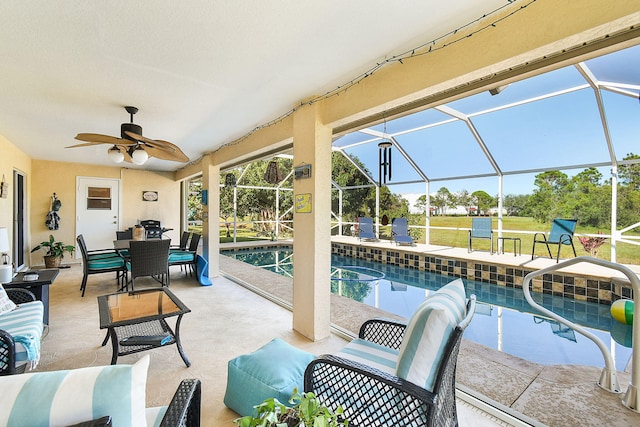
(626, 253)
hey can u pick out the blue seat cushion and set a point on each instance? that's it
(273, 370)
(181, 257)
(105, 263)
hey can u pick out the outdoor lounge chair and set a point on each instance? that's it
(365, 229)
(561, 234)
(480, 229)
(396, 374)
(400, 231)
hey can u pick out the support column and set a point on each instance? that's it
(312, 225)
(211, 220)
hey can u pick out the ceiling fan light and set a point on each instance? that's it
(115, 155)
(139, 156)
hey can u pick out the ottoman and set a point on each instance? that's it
(273, 370)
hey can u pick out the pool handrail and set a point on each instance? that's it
(608, 378)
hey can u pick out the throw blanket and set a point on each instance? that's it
(25, 326)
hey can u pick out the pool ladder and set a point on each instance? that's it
(608, 377)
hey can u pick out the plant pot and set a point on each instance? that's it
(51, 261)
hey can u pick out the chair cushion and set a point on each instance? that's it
(371, 354)
(181, 257)
(60, 398)
(25, 326)
(273, 370)
(427, 334)
(105, 263)
(6, 305)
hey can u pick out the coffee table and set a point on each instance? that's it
(136, 321)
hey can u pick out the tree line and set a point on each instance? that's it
(585, 196)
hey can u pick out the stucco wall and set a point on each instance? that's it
(60, 178)
(11, 159)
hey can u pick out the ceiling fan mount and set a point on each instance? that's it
(130, 127)
(132, 147)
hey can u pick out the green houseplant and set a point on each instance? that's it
(306, 411)
(55, 251)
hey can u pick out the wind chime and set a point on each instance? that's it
(273, 175)
(384, 159)
(230, 180)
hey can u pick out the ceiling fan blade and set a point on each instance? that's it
(164, 150)
(85, 144)
(127, 156)
(176, 153)
(102, 139)
(151, 142)
(161, 153)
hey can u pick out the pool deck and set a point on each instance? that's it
(558, 395)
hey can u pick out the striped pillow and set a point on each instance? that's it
(372, 354)
(428, 332)
(60, 398)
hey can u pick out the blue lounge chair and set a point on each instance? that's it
(400, 231)
(365, 229)
(561, 234)
(480, 229)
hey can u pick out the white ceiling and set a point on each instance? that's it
(202, 72)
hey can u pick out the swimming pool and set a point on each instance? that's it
(503, 319)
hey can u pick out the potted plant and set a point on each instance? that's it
(306, 411)
(55, 251)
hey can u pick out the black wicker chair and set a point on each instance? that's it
(7, 343)
(187, 257)
(149, 258)
(100, 261)
(371, 397)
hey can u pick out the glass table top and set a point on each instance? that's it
(123, 307)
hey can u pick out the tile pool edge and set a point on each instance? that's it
(581, 287)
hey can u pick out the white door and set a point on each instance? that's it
(97, 211)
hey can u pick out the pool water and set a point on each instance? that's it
(503, 319)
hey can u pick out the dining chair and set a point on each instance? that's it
(124, 235)
(186, 257)
(149, 258)
(99, 261)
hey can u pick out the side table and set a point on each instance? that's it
(39, 287)
(136, 321)
(515, 240)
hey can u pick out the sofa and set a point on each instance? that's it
(21, 330)
(112, 395)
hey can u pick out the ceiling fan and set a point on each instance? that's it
(132, 147)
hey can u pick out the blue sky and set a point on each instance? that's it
(535, 131)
